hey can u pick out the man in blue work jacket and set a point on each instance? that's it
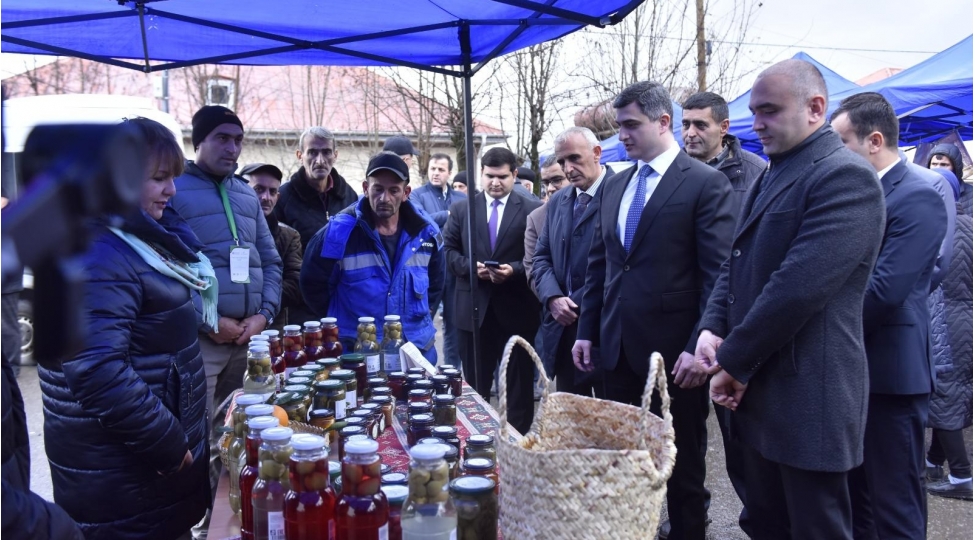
(381, 256)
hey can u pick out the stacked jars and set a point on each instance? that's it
(312, 337)
(310, 503)
(259, 378)
(392, 342)
(292, 345)
(249, 472)
(235, 452)
(428, 512)
(362, 510)
(332, 347)
(272, 483)
(367, 345)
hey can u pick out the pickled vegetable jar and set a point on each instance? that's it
(310, 504)
(428, 512)
(482, 467)
(259, 379)
(480, 446)
(317, 370)
(356, 363)
(444, 410)
(293, 346)
(249, 472)
(330, 338)
(420, 426)
(330, 394)
(235, 452)
(476, 503)
(312, 336)
(367, 345)
(351, 387)
(272, 483)
(392, 342)
(362, 511)
(329, 364)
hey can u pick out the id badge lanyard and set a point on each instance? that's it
(239, 255)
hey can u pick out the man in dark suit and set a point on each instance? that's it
(664, 229)
(562, 254)
(787, 313)
(887, 491)
(505, 304)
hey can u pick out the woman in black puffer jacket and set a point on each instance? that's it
(125, 418)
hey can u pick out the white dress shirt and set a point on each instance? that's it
(594, 187)
(659, 165)
(885, 170)
(504, 204)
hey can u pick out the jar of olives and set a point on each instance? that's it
(372, 428)
(259, 379)
(362, 510)
(272, 483)
(428, 512)
(351, 387)
(312, 336)
(377, 415)
(481, 467)
(309, 505)
(476, 504)
(392, 342)
(456, 381)
(330, 394)
(448, 434)
(480, 446)
(331, 346)
(235, 452)
(386, 406)
(356, 363)
(444, 410)
(293, 346)
(367, 345)
(397, 383)
(249, 472)
(420, 427)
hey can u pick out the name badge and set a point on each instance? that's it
(240, 262)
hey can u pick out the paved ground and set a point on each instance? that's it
(947, 519)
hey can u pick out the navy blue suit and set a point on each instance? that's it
(887, 491)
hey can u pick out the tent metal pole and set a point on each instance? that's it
(465, 46)
(142, 29)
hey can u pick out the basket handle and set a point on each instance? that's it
(503, 381)
(658, 375)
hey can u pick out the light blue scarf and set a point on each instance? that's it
(197, 276)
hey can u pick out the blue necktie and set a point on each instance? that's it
(636, 207)
(493, 223)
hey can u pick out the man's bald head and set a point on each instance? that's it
(788, 104)
(807, 81)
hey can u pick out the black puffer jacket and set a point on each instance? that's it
(120, 415)
(951, 403)
(301, 207)
(288, 243)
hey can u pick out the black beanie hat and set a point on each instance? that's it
(208, 118)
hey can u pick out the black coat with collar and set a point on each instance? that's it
(651, 299)
(513, 298)
(300, 207)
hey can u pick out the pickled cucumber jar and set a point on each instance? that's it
(351, 387)
(310, 504)
(235, 452)
(367, 345)
(259, 379)
(444, 410)
(272, 483)
(362, 510)
(392, 342)
(330, 394)
(428, 512)
(312, 336)
(293, 346)
(476, 504)
(420, 427)
(456, 381)
(331, 346)
(481, 467)
(480, 446)
(249, 471)
(356, 363)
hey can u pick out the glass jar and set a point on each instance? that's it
(397, 383)
(331, 346)
(367, 345)
(377, 415)
(317, 370)
(371, 384)
(335, 473)
(396, 495)
(304, 374)
(329, 365)
(324, 419)
(312, 336)
(249, 471)
(419, 407)
(476, 502)
(444, 367)
(411, 379)
(456, 381)
(444, 410)
(351, 387)
(441, 384)
(259, 379)
(423, 384)
(310, 504)
(304, 382)
(394, 479)
(292, 346)
(417, 371)
(480, 446)
(420, 427)
(421, 395)
(292, 405)
(372, 428)
(431, 440)
(386, 406)
(481, 467)
(330, 394)
(382, 391)
(352, 420)
(362, 510)
(356, 363)
(448, 434)
(345, 434)
(392, 342)
(272, 483)
(274, 342)
(238, 441)
(428, 512)
(452, 457)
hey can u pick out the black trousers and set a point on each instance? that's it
(950, 446)
(792, 504)
(685, 489)
(733, 462)
(521, 369)
(887, 492)
(567, 377)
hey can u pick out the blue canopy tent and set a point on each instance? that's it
(421, 34)
(741, 117)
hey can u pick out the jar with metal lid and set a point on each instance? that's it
(481, 467)
(377, 415)
(330, 394)
(431, 440)
(420, 426)
(424, 384)
(329, 364)
(351, 387)
(272, 483)
(317, 370)
(448, 434)
(331, 345)
(441, 384)
(259, 379)
(394, 479)
(356, 363)
(372, 382)
(310, 504)
(291, 403)
(372, 429)
(417, 371)
(346, 433)
(249, 471)
(324, 419)
(444, 410)
(480, 446)
(396, 495)
(421, 395)
(396, 381)
(312, 336)
(444, 367)
(417, 408)
(411, 379)
(428, 512)
(298, 381)
(293, 349)
(235, 451)
(386, 406)
(382, 391)
(368, 346)
(456, 381)
(392, 342)
(452, 457)
(303, 373)
(476, 502)
(362, 510)
(274, 342)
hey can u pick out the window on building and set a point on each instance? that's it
(220, 92)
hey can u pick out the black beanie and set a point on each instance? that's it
(208, 118)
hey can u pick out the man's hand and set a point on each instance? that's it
(501, 273)
(483, 272)
(688, 373)
(255, 324)
(726, 391)
(185, 464)
(562, 309)
(228, 330)
(706, 352)
(582, 355)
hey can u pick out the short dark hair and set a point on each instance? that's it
(709, 100)
(550, 160)
(869, 112)
(652, 98)
(499, 157)
(450, 162)
(164, 150)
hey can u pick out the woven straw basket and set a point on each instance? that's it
(589, 468)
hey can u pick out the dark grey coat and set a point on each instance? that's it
(789, 305)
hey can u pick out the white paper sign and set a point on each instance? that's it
(411, 356)
(240, 261)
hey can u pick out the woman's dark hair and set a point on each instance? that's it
(164, 150)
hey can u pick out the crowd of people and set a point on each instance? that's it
(820, 301)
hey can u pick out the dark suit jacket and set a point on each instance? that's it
(896, 322)
(789, 306)
(512, 298)
(651, 299)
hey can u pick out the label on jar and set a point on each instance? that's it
(275, 525)
(372, 364)
(391, 362)
(351, 401)
(384, 532)
(340, 409)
